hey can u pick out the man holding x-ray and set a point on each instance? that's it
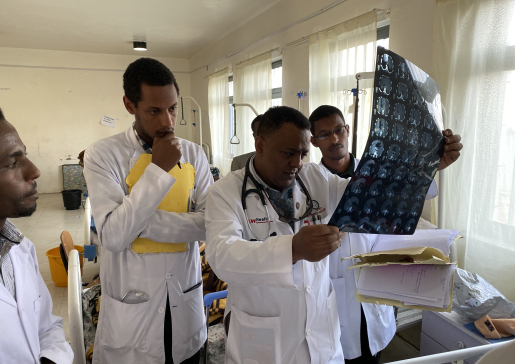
(267, 238)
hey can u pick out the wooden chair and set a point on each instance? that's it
(66, 247)
(201, 247)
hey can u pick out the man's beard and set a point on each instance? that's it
(342, 152)
(27, 211)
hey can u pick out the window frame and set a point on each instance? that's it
(277, 93)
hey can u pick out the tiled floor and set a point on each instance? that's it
(44, 228)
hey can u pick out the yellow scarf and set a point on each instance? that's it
(176, 200)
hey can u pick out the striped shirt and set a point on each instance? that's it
(145, 146)
(9, 237)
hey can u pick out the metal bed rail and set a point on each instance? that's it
(452, 356)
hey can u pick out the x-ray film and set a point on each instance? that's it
(387, 192)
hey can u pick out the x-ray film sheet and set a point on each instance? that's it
(387, 192)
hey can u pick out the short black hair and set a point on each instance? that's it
(275, 117)
(257, 119)
(321, 112)
(148, 71)
(2, 117)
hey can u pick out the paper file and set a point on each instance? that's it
(422, 284)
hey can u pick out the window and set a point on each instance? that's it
(277, 83)
(277, 92)
(503, 209)
(347, 49)
(383, 36)
(355, 60)
(231, 90)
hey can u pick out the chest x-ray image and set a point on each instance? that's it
(387, 192)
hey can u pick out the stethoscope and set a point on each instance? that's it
(258, 190)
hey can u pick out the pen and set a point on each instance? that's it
(179, 164)
(194, 287)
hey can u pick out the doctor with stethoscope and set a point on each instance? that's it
(272, 249)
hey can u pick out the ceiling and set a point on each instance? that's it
(172, 28)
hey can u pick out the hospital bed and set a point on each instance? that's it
(405, 317)
(456, 356)
(75, 309)
(77, 336)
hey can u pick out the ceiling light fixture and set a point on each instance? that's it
(139, 45)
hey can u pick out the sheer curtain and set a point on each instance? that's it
(218, 99)
(335, 57)
(252, 85)
(474, 63)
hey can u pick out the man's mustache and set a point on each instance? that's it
(32, 191)
(336, 146)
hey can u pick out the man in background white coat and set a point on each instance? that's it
(375, 323)
(29, 333)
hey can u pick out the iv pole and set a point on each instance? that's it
(359, 76)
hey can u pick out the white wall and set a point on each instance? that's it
(411, 35)
(57, 110)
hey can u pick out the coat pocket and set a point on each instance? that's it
(190, 317)
(124, 326)
(253, 339)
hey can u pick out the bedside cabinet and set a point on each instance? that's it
(443, 332)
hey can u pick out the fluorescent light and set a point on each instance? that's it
(140, 46)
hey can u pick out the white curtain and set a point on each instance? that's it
(474, 63)
(334, 59)
(218, 99)
(252, 85)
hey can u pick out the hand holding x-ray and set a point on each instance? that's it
(314, 242)
(451, 151)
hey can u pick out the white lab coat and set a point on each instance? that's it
(133, 333)
(28, 330)
(288, 311)
(381, 325)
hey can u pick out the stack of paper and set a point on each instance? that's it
(440, 239)
(412, 284)
(408, 271)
